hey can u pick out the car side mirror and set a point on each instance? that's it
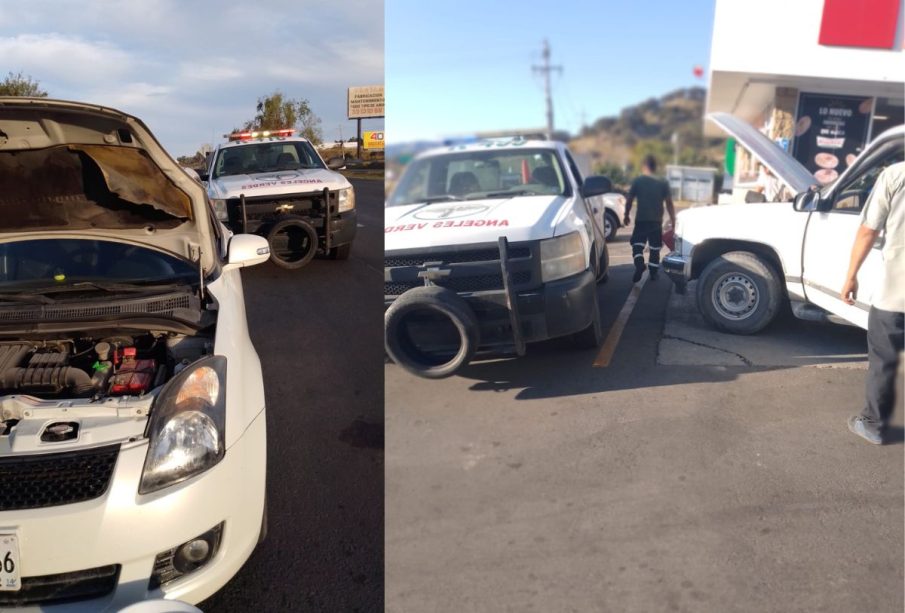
(247, 250)
(596, 186)
(336, 163)
(203, 177)
(807, 202)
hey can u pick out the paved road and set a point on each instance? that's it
(546, 484)
(321, 347)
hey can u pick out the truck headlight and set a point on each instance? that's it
(562, 257)
(220, 209)
(187, 424)
(346, 199)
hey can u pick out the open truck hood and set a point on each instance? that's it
(81, 170)
(789, 170)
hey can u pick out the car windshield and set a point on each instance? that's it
(59, 263)
(480, 174)
(266, 157)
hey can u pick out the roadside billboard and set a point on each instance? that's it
(372, 140)
(366, 101)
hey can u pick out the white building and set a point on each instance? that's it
(819, 77)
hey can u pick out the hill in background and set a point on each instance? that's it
(617, 145)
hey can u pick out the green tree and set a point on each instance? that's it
(21, 85)
(276, 111)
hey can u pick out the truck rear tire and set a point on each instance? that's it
(444, 312)
(739, 292)
(610, 225)
(293, 243)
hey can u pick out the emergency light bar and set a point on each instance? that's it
(260, 134)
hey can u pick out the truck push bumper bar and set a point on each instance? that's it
(675, 267)
(511, 298)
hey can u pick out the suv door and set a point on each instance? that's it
(829, 237)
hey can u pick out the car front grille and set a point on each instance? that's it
(49, 480)
(63, 587)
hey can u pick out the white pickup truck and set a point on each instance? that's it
(749, 258)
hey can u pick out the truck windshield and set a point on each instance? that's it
(266, 157)
(481, 174)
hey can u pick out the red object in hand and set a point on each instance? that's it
(133, 376)
(669, 238)
(526, 174)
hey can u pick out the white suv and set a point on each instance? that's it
(490, 246)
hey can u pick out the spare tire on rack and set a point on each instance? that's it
(431, 332)
(293, 242)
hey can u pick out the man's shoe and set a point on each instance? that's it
(858, 425)
(639, 270)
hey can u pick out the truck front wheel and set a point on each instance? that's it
(739, 292)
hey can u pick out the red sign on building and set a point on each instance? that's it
(859, 23)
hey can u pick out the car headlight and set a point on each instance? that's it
(346, 199)
(187, 424)
(562, 257)
(220, 209)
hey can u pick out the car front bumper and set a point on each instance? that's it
(344, 227)
(127, 529)
(678, 269)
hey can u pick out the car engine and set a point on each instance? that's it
(95, 366)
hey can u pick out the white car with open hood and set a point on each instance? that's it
(489, 246)
(749, 258)
(132, 422)
(276, 185)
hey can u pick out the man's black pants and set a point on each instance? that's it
(647, 232)
(885, 339)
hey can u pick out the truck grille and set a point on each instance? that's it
(64, 587)
(455, 257)
(480, 283)
(49, 480)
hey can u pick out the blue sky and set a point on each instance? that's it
(194, 70)
(457, 67)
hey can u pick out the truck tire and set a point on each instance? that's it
(592, 336)
(610, 225)
(604, 274)
(449, 310)
(293, 243)
(342, 252)
(739, 292)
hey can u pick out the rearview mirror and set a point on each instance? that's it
(807, 202)
(247, 250)
(596, 186)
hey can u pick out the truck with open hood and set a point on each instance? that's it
(132, 422)
(490, 246)
(748, 259)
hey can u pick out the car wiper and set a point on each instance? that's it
(443, 198)
(517, 192)
(17, 296)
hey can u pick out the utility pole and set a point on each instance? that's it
(545, 70)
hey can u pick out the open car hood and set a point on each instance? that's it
(82, 170)
(789, 170)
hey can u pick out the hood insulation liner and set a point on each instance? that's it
(79, 187)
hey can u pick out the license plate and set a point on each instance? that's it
(9, 563)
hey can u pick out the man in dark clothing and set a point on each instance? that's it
(651, 193)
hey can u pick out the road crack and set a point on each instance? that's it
(744, 360)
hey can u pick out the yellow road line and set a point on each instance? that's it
(612, 339)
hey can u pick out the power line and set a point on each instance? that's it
(545, 70)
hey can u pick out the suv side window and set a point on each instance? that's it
(853, 196)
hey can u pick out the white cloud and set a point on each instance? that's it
(64, 58)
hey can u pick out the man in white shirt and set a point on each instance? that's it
(884, 212)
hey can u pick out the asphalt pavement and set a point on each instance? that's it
(656, 483)
(318, 335)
